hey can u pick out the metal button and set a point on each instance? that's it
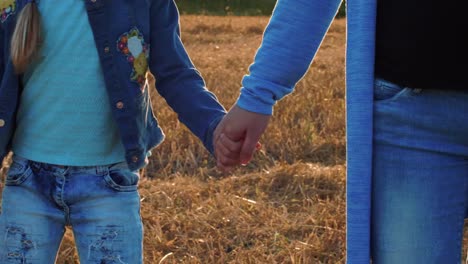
(106, 49)
(120, 105)
(2, 123)
(135, 159)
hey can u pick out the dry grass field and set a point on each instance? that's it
(288, 205)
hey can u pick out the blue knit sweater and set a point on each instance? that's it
(291, 40)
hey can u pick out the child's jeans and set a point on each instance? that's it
(100, 203)
(420, 174)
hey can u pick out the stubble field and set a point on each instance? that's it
(288, 205)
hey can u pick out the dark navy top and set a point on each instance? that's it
(421, 44)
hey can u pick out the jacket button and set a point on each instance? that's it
(120, 105)
(106, 49)
(134, 159)
(2, 123)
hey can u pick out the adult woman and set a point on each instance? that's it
(407, 170)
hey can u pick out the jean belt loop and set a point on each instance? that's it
(102, 170)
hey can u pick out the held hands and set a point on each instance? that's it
(236, 137)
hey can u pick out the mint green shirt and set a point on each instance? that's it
(65, 116)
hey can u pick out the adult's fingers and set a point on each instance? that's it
(249, 146)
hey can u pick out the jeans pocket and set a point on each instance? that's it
(120, 178)
(18, 172)
(388, 91)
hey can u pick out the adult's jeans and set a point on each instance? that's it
(420, 174)
(100, 203)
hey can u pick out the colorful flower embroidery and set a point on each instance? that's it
(7, 8)
(133, 45)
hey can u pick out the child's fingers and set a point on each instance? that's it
(224, 169)
(224, 157)
(224, 161)
(223, 150)
(231, 145)
(228, 152)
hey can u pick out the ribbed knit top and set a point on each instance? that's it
(64, 116)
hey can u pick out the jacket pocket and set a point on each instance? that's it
(120, 178)
(18, 172)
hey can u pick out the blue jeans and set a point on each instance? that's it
(101, 204)
(420, 174)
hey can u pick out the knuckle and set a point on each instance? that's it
(225, 151)
(231, 148)
(223, 160)
(233, 156)
(229, 130)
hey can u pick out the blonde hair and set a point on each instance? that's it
(26, 38)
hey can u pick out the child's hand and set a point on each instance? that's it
(227, 152)
(241, 131)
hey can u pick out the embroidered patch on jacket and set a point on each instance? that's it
(133, 45)
(7, 8)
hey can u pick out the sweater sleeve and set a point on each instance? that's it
(290, 42)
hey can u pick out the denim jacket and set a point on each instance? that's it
(153, 27)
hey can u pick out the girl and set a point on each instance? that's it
(75, 111)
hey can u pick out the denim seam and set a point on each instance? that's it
(117, 187)
(18, 181)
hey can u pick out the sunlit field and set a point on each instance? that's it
(288, 205)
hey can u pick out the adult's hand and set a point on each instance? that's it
(237, 135)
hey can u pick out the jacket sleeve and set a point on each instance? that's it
(4, 50)
(2, 70)
(290, 42)
(2, 55)
(177, 80)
